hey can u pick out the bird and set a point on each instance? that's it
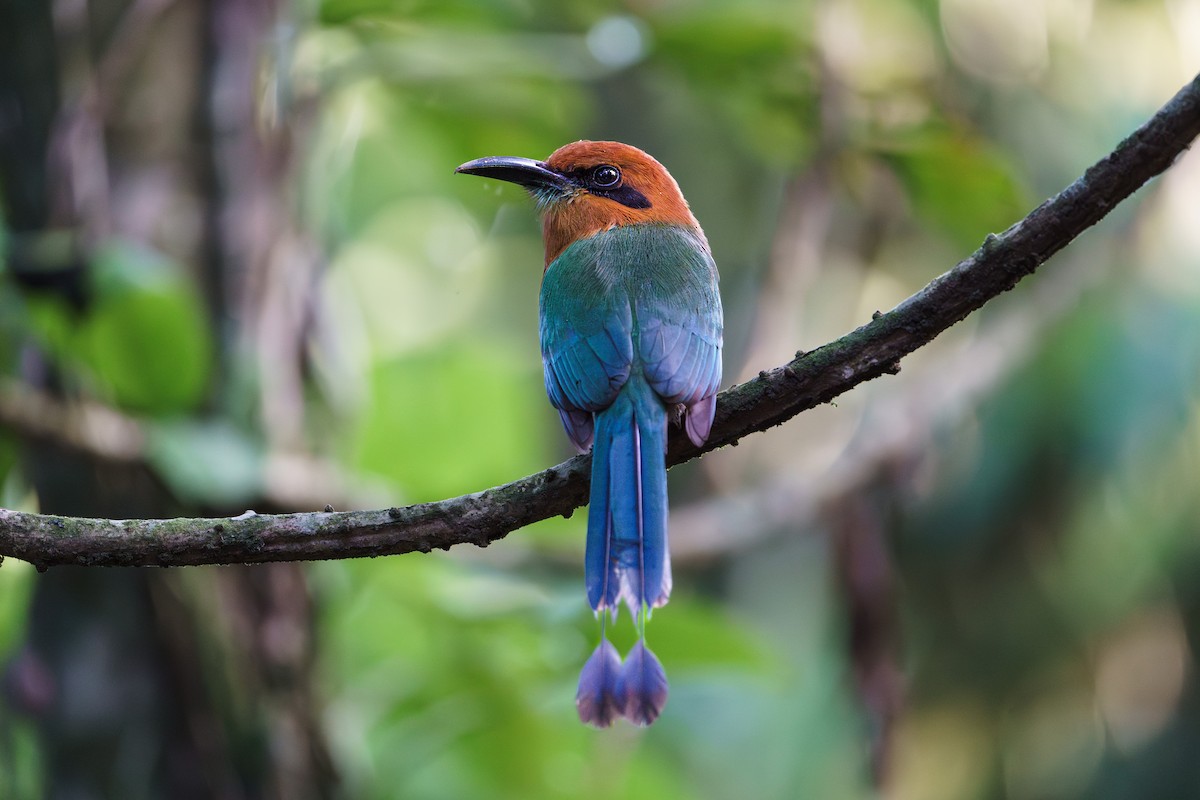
(631, 333)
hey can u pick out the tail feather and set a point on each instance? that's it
(652, 465)
(602, 585)
(624, 508)
(641, 688)
(600, 698)
(627, 515)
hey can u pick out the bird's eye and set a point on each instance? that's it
(605, 176)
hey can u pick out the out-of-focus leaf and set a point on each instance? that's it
(16, 581)
(46, 320)
(504, 14)
(210, 464)
(145, 338)
(14, 327)
(450, 421)
(958, 184)
(721, 42)
(688, 634)
(12, 482)
(482, 595)
(745, 68)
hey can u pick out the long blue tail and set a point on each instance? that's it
(627, 557)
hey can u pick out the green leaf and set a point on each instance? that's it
(146, 338)
(443, 423)
(958, 184)
(207, 463)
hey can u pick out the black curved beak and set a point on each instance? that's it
(524, 171)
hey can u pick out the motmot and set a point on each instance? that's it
(631, 333)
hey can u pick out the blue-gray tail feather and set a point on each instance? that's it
(627, 516)
(641, 687)
(600, 698)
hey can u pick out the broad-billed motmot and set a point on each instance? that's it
(631, 332)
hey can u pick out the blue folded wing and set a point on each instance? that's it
(587, 342)
(680, 337)
(682, 360)
(584, 369)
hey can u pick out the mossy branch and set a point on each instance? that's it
(768, 400)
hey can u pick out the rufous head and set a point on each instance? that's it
(585, 187)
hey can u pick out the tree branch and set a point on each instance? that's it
(768, 400)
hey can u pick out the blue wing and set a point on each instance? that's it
(587, 341)
(680, 335)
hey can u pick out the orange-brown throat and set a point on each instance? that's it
(586, 212)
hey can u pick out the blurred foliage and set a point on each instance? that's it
(144, 342)
(210, 464)
(839, 154)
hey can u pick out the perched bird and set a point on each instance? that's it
(631, 336)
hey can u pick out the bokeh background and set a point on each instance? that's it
(239, 272)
